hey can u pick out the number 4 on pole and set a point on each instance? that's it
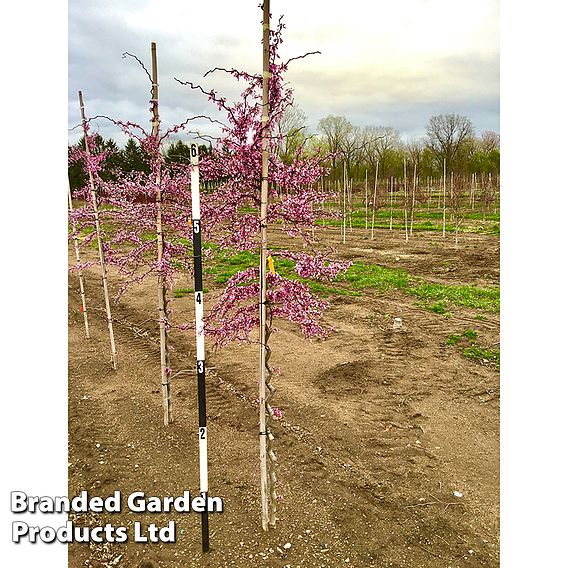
(200, 341)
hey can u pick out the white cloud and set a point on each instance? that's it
(395, 61)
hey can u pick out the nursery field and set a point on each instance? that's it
(388, 448)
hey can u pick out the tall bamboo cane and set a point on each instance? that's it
(405, 204)
(350, 193)
(374, 202)
(78, 257)
(113, 354)
(267, 456)
(444, 204)
(414, 181)
(393, 185)
(344, 201)
(162, 297)
(199, 341)
(366, 202)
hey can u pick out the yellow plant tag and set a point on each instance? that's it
(271, 265)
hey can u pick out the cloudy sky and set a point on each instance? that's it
(382, 63)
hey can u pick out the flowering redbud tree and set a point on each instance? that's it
(149, 211)
(294, 204)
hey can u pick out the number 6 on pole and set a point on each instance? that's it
(200, 341)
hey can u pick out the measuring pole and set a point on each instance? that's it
(78, 257)
(113, 355)
(199, 340)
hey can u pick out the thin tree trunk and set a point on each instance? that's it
(366, 203)
(344, 201)
(393, 185)
(455, 198)
(414, 181)
(490, 187)
(350, 194)
(113, 354)
(78, 257)
(267, 456)
(405, 204)
(162, 293)
(444, 205)
(374, 201)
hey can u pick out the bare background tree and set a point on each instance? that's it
(293, 125)
(450, 137)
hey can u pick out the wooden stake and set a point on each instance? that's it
(344, 200)
(405, 204)
(113, 354)
(77, 256)
(455, 198)
(414, 182)
(366, 202)
(350, 188)
(267, 482)
(374, 201)
(391, 201)
(162, 292)
(444, 205)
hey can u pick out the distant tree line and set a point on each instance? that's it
(131, 158)
(355, 150)
(449, 137)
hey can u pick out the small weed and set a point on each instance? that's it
(470, 349)
(181, 292)
(439, 307)
(470, 334)
(481, 354)
(453, 339)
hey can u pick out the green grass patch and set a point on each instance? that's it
(453, 339)
(182, 292)
(481, 355)
(439, 307)
(486, 299)
(438, 298)
(470, 334)
(467, 341)
(379, 278)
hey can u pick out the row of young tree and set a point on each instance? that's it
(138, 205)
(449, 138)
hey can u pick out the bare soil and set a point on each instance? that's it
(388, 451)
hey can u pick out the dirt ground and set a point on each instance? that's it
(388, 451)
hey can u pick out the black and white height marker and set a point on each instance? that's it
(200, 340)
